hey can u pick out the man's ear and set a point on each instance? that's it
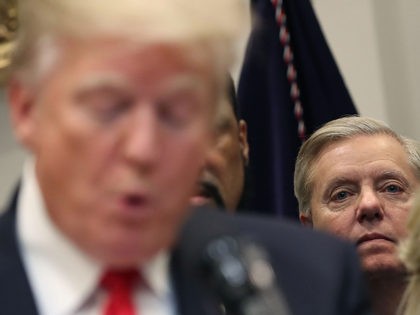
(306, 219)
(243, 140)
(21, 107)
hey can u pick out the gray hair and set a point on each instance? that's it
(335, 131)
(216, 24)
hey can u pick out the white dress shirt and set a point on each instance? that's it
(65, 280)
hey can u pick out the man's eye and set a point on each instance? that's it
(392, 188)
(340, 195)
(104, 103)
(223, 125)
(176, 113)
(107, 109)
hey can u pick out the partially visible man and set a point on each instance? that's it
(223, 179)
(355, 178)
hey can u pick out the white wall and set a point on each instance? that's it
(398, 27)
(377, 47)
(11, 155)
(350, 30)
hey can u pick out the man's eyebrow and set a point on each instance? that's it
(337, 182)
(182, 82)
(102, 81)
(340, 181)
(392, 174)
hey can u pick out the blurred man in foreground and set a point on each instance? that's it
(116, 101)
(355, 178)
(223, 179)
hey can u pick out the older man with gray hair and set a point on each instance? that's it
(355, 177)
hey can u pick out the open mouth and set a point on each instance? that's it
(210, 192)
(133, 200)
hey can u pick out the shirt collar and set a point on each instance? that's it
(156, 274)
(56, 268)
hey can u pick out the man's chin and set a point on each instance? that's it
(383, 267)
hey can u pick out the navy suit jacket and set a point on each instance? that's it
(318, 274)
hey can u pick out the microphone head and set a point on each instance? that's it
(235, 267)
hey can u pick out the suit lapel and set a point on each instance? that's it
(15, 293)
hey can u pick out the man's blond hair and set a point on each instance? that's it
(215, 23)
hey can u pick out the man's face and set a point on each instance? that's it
(222, 180)
(120, 135)
(362, 191)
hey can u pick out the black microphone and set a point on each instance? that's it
(241, 275)
(236, 268)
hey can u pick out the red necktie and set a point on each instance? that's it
(119, 286)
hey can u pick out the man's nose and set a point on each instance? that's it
(369, 207)
(142, 138)
(213, 160)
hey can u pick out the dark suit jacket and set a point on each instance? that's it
(318, 275)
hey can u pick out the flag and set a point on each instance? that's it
(289, 86)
